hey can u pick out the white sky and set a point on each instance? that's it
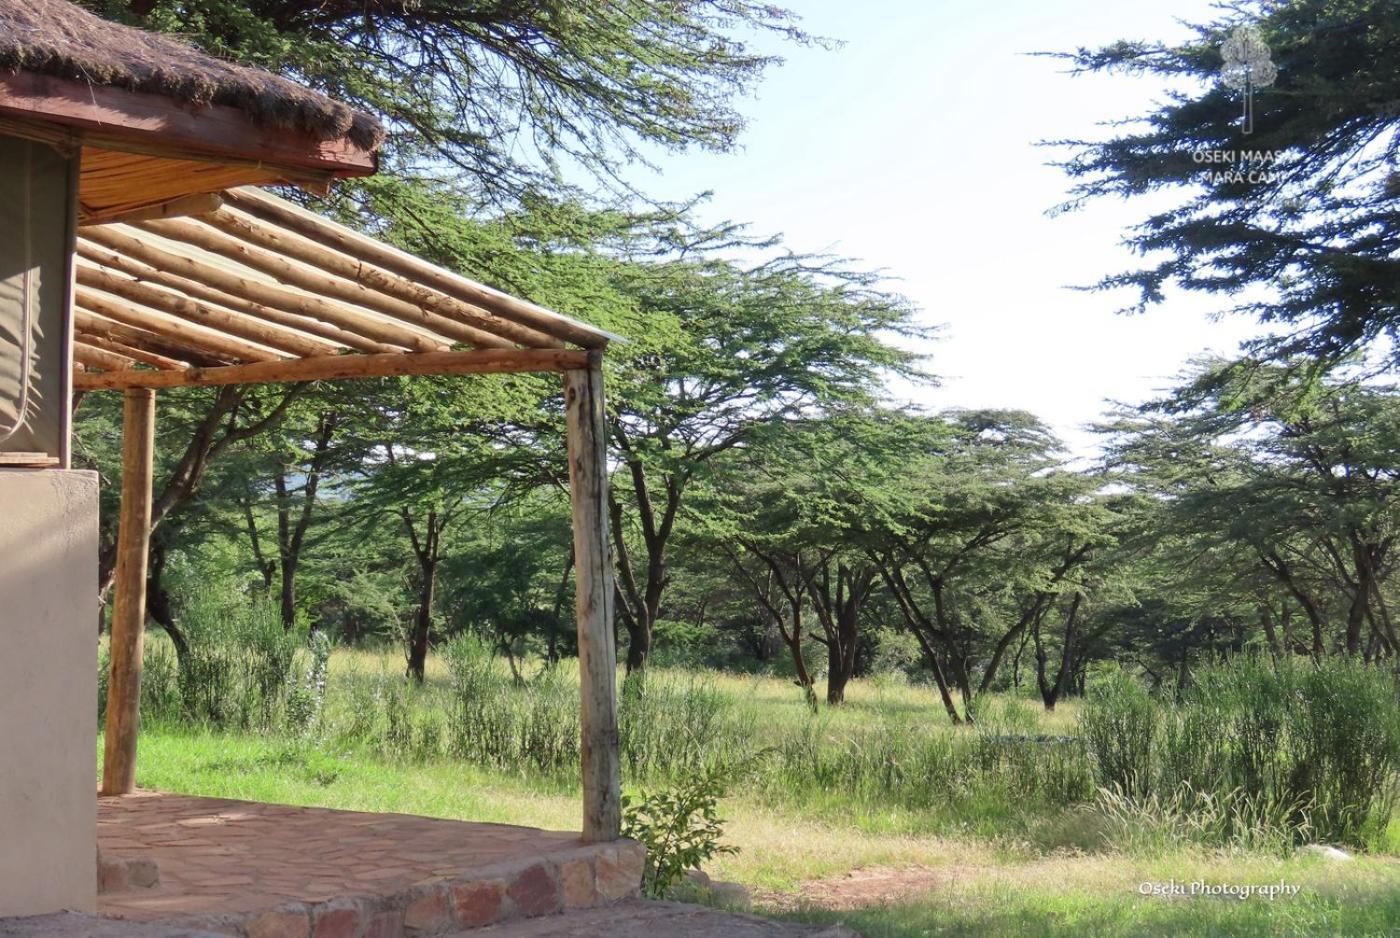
(912, 150)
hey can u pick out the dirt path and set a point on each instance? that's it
(861, 888)
(641, 919)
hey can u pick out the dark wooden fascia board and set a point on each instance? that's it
(175, 128)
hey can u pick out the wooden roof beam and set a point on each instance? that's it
(90, 356)
(163, 362)
(87, 323)
(477, 361)
(115, 260)
(196, 337)
(185, 308)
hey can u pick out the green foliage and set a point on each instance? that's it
(679, 826)
(531, 726)
(504, 94)
(308, 697)
(1313, 225)
(1120, 722)
(1252, 752)
(669, 729)
(239, 672)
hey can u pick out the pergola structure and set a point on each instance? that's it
(254, 289)
(182, 275)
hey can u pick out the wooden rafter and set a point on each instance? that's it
(115, 260)
(251, 230)
(171, 328)
(308, 278)
(262, 291)
(362, 248)
(156, 299)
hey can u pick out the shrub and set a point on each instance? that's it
(680, 828)
(239, 667)
(499, 723)
(307, 698)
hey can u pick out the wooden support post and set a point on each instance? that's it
(129, 603)
(588, 489)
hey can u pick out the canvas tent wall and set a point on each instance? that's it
(37, 190)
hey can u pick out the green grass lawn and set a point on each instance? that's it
(983, 868)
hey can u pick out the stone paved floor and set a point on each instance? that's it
(640, 919)
(224, 863)
(72, 925)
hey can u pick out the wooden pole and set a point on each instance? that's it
(588, 490)
(129, 604)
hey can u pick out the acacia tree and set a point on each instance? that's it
(975, 535)
(510, 579)
(286, 469)
(1297, 469)
(785, 509)
(723, 351)
(1307, 213)
(428, 455)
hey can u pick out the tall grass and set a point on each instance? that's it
(239, 671)
(1252, 753)
(1254, 750)
(530, 726)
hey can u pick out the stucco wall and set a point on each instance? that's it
(48, 691)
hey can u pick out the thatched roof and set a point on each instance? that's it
(54, 37)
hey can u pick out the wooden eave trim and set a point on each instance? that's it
(184, 129)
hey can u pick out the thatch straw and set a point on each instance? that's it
(54, 37)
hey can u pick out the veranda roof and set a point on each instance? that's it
(156, 120)
(255, 288)
(61, 39)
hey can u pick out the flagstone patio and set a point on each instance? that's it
(274, 871)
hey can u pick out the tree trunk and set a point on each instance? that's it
(638, 642)
(1361, 600)
(939, 678)
(158, 607)
(289, 592)
(291, 533)
(1279, 568)
(422, 624)
(1266, 619)
(837, 675)
(1067, 654)
(839, 612)
(426, 550)
(799, 664)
